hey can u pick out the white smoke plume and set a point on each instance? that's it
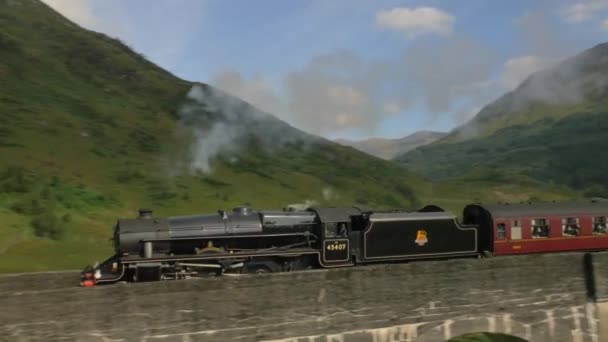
(210, 143)
(221, 124)
(328, 194)
(211, 135)
(302, 206)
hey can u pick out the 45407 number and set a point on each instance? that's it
(336, 247)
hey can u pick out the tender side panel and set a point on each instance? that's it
(410, 238)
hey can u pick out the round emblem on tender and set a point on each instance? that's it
(421, 238)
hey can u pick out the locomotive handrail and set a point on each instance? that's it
(307, 234)
(286, 246)
(295, 251)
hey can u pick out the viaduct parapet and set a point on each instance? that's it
(557, 297)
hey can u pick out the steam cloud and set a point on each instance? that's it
(220, 124)
(212, 135)
(302, 206)
(327, 193)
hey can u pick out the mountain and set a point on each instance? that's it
(579, 83)
(389, 148)
(90, 130)
(551, 128)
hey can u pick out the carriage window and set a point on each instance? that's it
(599, 225)
(571, 227)
(540, 228)
(501, 231)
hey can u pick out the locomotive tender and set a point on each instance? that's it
(248, 241)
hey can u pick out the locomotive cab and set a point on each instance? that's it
(340, 241)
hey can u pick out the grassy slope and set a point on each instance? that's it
(566, 151)
(88, 130)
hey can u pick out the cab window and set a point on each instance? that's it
(336, 229)
(331, 229)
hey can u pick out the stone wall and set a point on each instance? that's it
(539, 298)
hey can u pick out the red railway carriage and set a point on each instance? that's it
(540, 227)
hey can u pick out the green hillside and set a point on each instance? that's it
(91, 131)
(551, 130)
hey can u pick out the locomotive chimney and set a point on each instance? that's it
(145, 213)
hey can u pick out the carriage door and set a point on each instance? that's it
(515, 230)
(336, 245)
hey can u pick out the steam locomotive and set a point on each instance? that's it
(149, 248)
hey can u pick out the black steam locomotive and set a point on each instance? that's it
(152, 248)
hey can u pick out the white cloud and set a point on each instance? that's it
(438, 74)
(516, 70)
(339, 92)
(79, 12)
(583, 10)
(332, 92)
(256, 91)
(604, 25)
(416, 21)
(392, 107)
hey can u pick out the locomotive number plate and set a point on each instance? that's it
(336, 246)
(336, 250)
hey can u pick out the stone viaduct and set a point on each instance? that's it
(558, 297)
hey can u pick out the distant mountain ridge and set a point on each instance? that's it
(575, 84)
(551, 128)
(390, 148)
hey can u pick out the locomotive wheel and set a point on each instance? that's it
(208, 274)
(258, 269)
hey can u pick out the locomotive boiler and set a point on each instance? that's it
(241, 229)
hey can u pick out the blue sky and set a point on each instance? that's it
(353, 68)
